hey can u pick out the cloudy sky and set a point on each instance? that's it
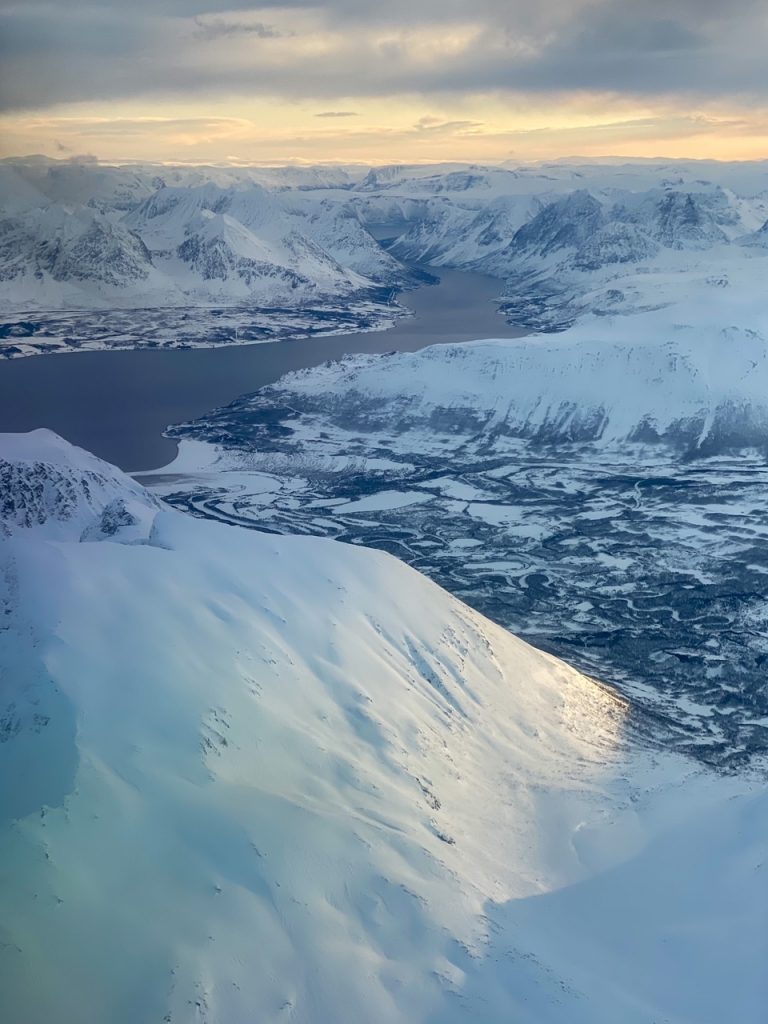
(383, 80)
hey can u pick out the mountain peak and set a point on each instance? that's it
(564, 223)
(51, 486)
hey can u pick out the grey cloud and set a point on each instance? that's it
(162, 8)
(110, 49)
(337, 113)
(220, 27)
(56, 35)
(436, 126)
(164, 126)
(673, 127)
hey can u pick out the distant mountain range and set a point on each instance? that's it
(198, 244)
(565, 240)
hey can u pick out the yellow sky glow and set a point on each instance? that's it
(374, 131)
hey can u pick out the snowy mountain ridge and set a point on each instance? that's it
(202, 244)
(60, 491)
(567, 240)
(177, 245)
(60, 254)
(284, 776)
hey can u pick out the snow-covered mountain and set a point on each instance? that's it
(447, 234)
(565, 240)
(237, 243)
(121, 188)
(614, 242)
(183, 245)
(251, 776)
(747, 179)
(570, 240)
(426, 178)
(564, 223)
(582, 256)
(57, 256)
(629, 230)
(76, 183)
(596, 249)
(338, 228)
(757, 239)
(679, 220)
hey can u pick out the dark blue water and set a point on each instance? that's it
(117, 404)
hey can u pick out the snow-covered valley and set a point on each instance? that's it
(248, 776)
(599, 492)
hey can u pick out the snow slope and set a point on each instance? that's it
(247, 777)
(447, 234)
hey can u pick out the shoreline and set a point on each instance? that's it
(118, 402)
